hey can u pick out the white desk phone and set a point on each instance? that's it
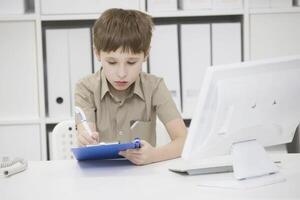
(10, 167)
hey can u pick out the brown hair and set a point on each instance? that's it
(129, 29)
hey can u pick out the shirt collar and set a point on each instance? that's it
(136, 90)
(104, 86)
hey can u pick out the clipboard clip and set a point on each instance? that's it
(137, 143)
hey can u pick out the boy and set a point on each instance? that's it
(119, 94)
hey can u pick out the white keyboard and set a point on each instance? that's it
(203, 166)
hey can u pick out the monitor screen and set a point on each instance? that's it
(251, 100)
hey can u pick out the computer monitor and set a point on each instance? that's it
(239, 102)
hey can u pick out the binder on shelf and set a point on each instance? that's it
(103, 151)
(226, 43)
(12, 7)
(227, 4)
(58, 79)
(259, 3)
(161, 5)
(196, 4)
(125, 4)
(281, 3)
(68, 53)
(85, 7)
(164, 58)
(270, 3)
(195, 59)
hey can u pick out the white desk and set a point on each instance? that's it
(122, 180)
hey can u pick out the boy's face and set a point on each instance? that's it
(121, 69)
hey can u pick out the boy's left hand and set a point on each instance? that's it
(141, 156)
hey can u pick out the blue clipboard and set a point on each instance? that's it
(99, 152)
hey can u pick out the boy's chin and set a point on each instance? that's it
(121, 87)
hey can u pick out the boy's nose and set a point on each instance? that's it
(122, 72)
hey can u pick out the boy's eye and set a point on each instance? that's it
(131, 63)
(112, 63)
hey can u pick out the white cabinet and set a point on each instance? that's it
(18, 71)
(20, 141)
(211, 32)
(84, 7)
(273, 35)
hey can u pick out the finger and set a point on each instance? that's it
(128, 155)
(136, 161)
(134, 151)
(80, 144)
(95, 136)
(89, 139)
(132, 158)
(122, 153)
(130, 152)
(82, 141)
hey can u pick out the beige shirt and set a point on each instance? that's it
(113, 117)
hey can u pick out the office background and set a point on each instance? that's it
(46, 46)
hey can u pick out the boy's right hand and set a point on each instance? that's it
(83, 138)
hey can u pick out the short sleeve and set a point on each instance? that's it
(84, 98)
(164, 103)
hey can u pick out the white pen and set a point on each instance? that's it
(133, 125)
(83, 120)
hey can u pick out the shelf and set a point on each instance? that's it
(165, 14)
(274, 10)
(196, 13)
(57, 120)
(70, 17)
(18, 17)
(19, 121)
(182, 13)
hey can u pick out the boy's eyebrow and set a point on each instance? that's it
(110, 58)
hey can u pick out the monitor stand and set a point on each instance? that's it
(250, 160)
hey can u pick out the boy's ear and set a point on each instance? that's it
(97, 53)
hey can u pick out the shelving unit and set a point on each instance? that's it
(274, 10)
(39, 120)
(193, 13)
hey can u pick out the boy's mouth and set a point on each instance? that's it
(121, 83)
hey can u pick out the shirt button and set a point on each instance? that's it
(121, 132)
